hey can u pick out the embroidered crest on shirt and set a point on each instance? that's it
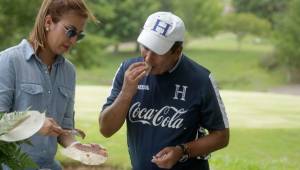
(143, 87)
(180, 92)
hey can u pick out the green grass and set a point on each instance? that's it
(233, 69)
(259, 149)
(237, 70)
(264, 130)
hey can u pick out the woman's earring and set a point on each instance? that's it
(47, 28)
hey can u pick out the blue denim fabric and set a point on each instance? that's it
(26, 82)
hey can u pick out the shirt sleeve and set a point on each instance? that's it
(116, 86)
(213, 114)
(68, 121)
(7, 83)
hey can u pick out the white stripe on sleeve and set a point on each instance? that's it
(220, 102)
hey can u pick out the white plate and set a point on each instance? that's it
(26, 129)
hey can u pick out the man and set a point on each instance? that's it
(168, 102)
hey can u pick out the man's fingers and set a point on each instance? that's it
(134, 65)
(135, 73)
(162, 153)
(141, 75)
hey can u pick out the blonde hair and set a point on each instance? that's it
(56, 9)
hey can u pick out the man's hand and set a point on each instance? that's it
(132, 76)
(167, 157)
(50, 128)
(113, 117)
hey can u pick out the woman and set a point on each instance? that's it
(35, 74)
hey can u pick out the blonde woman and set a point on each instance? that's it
(35, 74)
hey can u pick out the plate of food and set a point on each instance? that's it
(89, 154)
(16, 126)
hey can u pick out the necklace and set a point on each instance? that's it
(49, 67)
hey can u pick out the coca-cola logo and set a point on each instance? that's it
(167, 116)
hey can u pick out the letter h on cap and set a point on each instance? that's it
(164, 28)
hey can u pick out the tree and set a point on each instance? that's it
(166, 5)
(200, 17)
(88, 52)
(242, 24)
(122, 20)
(267, 9)
(288, 40)
(16, 20)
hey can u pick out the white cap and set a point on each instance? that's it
(161, 30)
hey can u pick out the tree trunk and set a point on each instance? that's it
(137, 47)
(116, 48)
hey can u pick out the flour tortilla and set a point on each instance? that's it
(84, 157)
(26, 128)
(148, 68)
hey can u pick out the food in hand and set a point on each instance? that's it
(148, 68)
(89, 154)
(76, 132)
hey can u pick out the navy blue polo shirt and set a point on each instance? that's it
(170, 109)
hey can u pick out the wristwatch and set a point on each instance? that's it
(185, 152)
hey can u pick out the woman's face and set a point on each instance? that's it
(61, 36)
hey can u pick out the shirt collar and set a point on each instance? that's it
(176, 65)
(59, 60)
(29, 52)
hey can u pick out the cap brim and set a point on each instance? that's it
(154, 42)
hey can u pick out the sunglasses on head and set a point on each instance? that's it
(72, 32)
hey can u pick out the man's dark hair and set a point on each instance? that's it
(175, 46)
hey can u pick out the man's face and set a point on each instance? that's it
(160, 63)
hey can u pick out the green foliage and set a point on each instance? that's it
(200, 17)
(16, 20)
(234, 70)
(267, 9)
(242, 24)
(10, 152)
(287, 35)
(166, 5)
(269, 61)
(1, 114)
(12, 156)
(87, 52)
(122, 19)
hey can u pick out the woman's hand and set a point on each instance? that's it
(50, 128)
